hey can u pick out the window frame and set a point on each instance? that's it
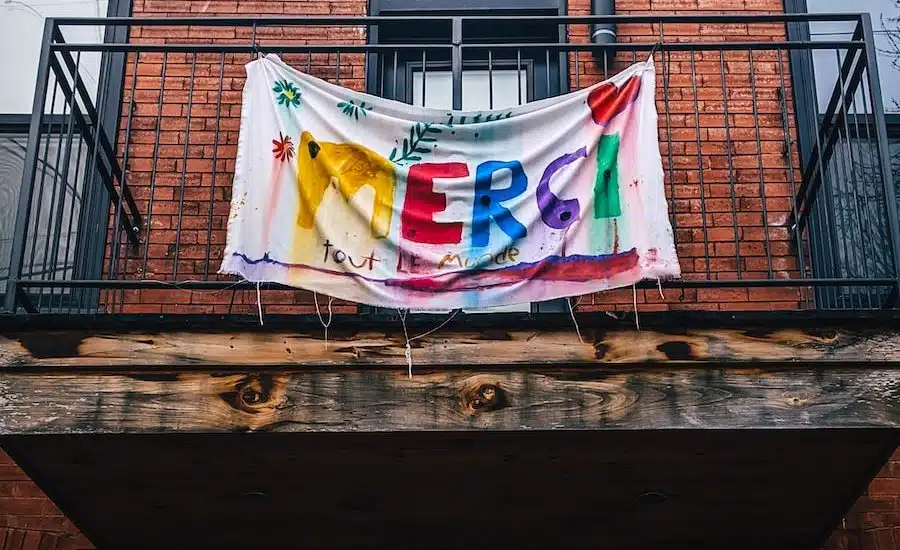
(557, 84)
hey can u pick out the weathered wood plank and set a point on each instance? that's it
(498, 347)
(383, 400)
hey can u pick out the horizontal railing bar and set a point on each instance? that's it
(247, 285)
(677, 46)
(369, 20)
(360, 48)
(243, 48)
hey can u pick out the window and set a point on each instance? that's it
(62, 161)
(495, 79)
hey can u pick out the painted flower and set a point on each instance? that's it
(283, 147)
(287, 93)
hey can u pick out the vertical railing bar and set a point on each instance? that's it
(379, 61)
(860, 230)
(699, 163)
(26, 192)
(337, 62)
(839, 208)
(79, 198)
(825, 228)
(759, 160)
(115, 248)
(728, 152)
(55, 207)
(309, 63)
(519, 74)
(158, 126)
(790, 161)
(96, 232)
(883, 148)
(187, 142)
(64, 176)
(122, 186)
(666, 58)
(872, 156)
(577, 71)
(424, 76)
(212, 188)
(394, 90)
(456, 61)
(605, 67)
(40, 200)
(547, 61)
(490, 81)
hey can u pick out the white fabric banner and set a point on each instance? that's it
(383, 203)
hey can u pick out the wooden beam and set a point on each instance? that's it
(383, 400)
(447, 348)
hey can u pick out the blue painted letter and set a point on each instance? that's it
(487, 201)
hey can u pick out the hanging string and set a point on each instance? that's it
(659, 286)
(574, 321)
(325, 325)
(259, 304)
(637, 320)
(408, 353)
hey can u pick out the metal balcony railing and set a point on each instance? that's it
(126, 186)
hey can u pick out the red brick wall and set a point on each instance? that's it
(204, 147)
(874, 521)
(680, 152)
(28, 519)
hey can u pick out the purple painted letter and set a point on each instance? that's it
(557, 213)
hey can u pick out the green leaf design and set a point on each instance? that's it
(412, 148)
(352, 110)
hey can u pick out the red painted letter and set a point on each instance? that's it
(422, 203)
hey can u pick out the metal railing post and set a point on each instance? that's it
(883, 149)
(29, 172)
(456, 62)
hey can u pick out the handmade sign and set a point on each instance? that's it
(383, 203)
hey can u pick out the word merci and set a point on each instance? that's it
(422, 202)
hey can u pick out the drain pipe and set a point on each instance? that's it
(603, 33)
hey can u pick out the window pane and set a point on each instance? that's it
(886, 23)
(50, 251)
(476, 89)
(21, 27)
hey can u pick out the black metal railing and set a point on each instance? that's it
(775, 205)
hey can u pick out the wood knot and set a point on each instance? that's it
(486, 397)
(251, 393)
(479, 395)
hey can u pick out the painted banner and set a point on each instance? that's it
(383, 203)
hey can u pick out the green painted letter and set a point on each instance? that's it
(606, 187)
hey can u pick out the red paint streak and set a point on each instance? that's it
(615, 236)
(572, 269)
(607, 101)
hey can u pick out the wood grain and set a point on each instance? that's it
(499, 347)
(383, 400)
